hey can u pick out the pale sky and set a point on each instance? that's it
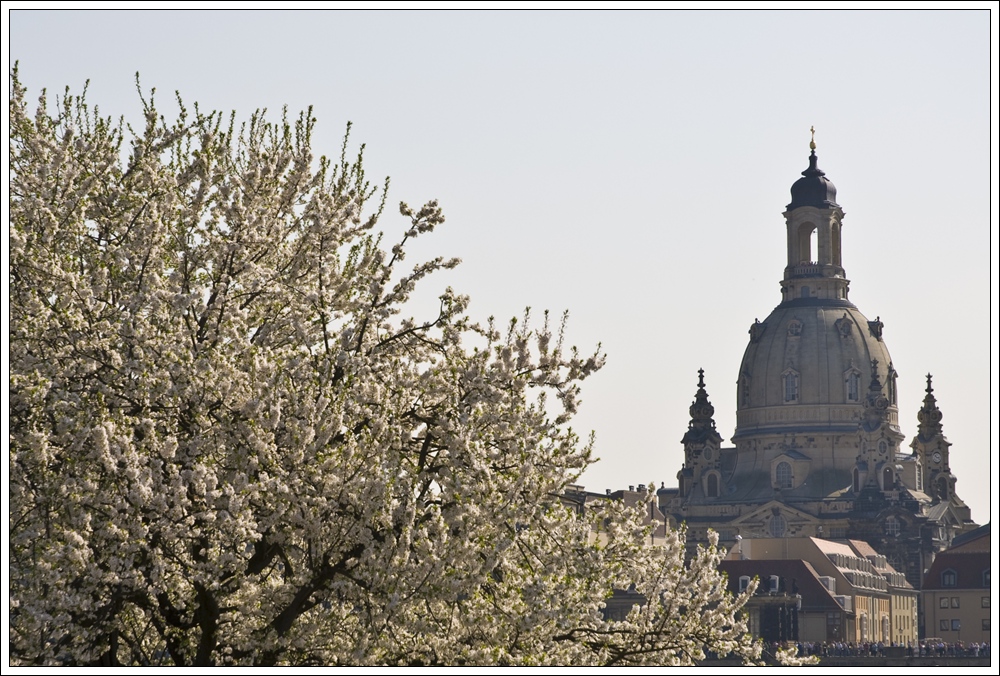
(632, 167)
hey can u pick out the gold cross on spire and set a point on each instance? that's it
(812, 141)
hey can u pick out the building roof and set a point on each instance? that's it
(831, 547)
(971, 571)
(799, 577)
(974, 540)
(968, 558)
(894, 577)
(814, 189)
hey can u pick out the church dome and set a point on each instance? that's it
(814, 189)
(809, 364)
(807, 369)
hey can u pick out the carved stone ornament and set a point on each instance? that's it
(844, 326)
(795, 328)
(757, 330)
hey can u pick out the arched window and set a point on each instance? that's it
(712, 485)
(804, 292)
(783, 475)
(777, 526)
(892, 526)
(949, 578)
(835, 243)
(863, 623)
(857, 480)
(885, 628)
(806, 241)
(744, 582)
(790, 385)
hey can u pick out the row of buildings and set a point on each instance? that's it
(815, 590)
(817, 496)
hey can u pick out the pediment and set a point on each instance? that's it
(769, 509)
(793, 455)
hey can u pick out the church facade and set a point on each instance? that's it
(818, 450)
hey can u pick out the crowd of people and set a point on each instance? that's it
(924, 648)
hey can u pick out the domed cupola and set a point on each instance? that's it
(803, 380)
(813, 221)
(814, 189)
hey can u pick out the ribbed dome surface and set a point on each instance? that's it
(820, 346)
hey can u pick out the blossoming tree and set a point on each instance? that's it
(229, 444)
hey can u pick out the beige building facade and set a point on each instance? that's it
(878, 604)
(957, 592)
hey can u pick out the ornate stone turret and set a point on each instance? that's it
(875, 404)
(702, 425)
(878, 441)
(931, 450)
(700, 475)
(929, 415)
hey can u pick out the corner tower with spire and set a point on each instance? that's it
(700, 477)
(931, 452)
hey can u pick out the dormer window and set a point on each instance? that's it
(949, 578)
(783, 475)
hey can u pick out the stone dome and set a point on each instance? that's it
(811, 363)
(807, 369)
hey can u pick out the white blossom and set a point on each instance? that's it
(229, 446)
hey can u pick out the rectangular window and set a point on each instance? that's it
(944, 625)
(986, 624)
(956, 625)
(954, 602)
(944, 602)
(853, 387)
(986, 602)
(791, 387)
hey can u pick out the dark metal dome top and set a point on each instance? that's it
(814, 189)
